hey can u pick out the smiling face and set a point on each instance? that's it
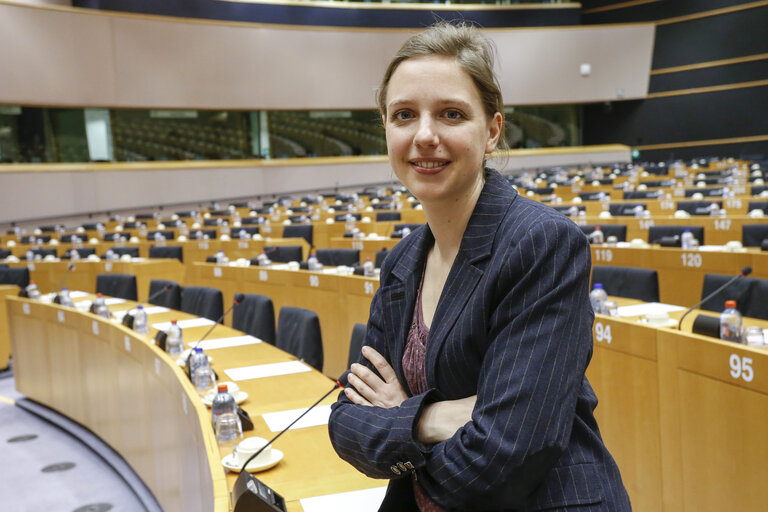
(437, 129)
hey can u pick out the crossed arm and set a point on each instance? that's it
(439, 421)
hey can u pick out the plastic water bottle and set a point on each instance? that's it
(406, 231)
(243, 235)
(142, 230)
(730, 323)
(197, 358)
(221, 258)
(714, 209)
(141, 321)
(202, 374)
(111, 256)
(687, 240)
(597, 236)
(638, 210)
(32, 291)
(174, 341)
(224, 403)
(312, 263)
(100, 307)
(598, 297)
(30, 256)
(262, 259)
(224, 229)
(74, 255)
(65, 299)
(368, 268)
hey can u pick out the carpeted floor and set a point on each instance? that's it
(45, 469)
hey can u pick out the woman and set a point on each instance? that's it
(471, 393)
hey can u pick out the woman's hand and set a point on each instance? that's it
(369, 388)
(441, 420)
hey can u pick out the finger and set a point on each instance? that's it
(355, 398)
(380, 363)
(361, 387)
(366, 375)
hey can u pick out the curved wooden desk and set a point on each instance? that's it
(135, 397)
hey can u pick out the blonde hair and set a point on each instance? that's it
(473, 52)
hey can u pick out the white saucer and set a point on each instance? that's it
(240, 397)
(275, 456)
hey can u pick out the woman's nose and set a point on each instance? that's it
(426, 135)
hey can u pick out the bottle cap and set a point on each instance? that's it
(31, 282)
(598, 228)
(730, 304)
(98, 294)
(139, 307)
(598, 286)
(199, 350)
(173, 321)
(368, 259)
(222, 388)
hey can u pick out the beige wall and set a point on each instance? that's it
(61, 56)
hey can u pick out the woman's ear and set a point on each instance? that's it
(494, 132)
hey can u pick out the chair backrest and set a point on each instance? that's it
(251, 230)
(617, 230)
(17, 276)
(133, 252)
(341, 217)
(697, 207)
(336, 257)
(83, 252)
(255, 315)
(167, 234)
(44, 252)
(4, 253)
(245, 221)
(628, 282)
(624, 209)
(283, 253)
(387, 216)
(202, 301)
(656, 233)
(117, 285)
(758, 189)
(380, 255)
(298, 332)
(210, 232)
(642, 194)
(170, 298)
(752, 235)
(750, 294)
(31, 239)
(356, 343)
(299, 231)
(168, 251)
(758, 205)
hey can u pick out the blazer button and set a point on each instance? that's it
(409, 465)
(402, 467)
(394, 469)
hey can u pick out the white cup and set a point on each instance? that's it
(248, 447)
(657, 319)
(293, 265)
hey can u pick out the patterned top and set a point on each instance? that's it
(416, 378)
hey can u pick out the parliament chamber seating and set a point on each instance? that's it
(631, 283)
(298, 333)
(255, 315)
(202, 301)
(117, 285)
(169, 297)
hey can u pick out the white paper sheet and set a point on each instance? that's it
(192, 322)
(78, 295)
(651, 307)
(113, 301)
(359, 501)
(277, 421)
(154, 310)
(267, 370)
(234, 341)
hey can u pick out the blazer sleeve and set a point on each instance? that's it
(540, 342)
(374, 439)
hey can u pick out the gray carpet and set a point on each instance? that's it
(44, 468)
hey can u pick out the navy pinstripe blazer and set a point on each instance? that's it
(514, 326)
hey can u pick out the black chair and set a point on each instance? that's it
(167, 234)
(251, 230)
(380, 255)
(187, 213)
(356, 343)
(211, 222)
(298, 231)
(117, 285)
(67, 239)
(33, 239)
(387, 216)
(248, 221)
(145, 216)
(336, 257)
(130, 225)
(705, 192)
(48, 229)
(757, 190)
(642, 194)
(656, 233)
(758, 205)
(170, 298)
(193, 233)
(750, 294)
(220, 213)
(4, 253)
(629, 282)
(202, 301)
(133, 252)
(752, 235)
(383, 206)
(624, 209)
(83, 252)
(567, 208)
(44, 252)
(168, 251)
(92, 226)
(255, 315)
(283, 253)
(298, 332)
(17, 276)
(617, 230)
(697, 207)
(342, 217)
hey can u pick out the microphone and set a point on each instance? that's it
(70, 268)
(238, 299)
(249, 493)
(744, 272)
(128, 318)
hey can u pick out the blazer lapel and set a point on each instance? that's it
(468, 268)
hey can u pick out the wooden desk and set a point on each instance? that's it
(137, 399)
(49, 274)
(685, 427)
(339, 301)
(681, 273)
(6, 290)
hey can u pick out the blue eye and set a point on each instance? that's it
(402, 115)
(453, 115)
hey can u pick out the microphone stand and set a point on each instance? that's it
(744, 272)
